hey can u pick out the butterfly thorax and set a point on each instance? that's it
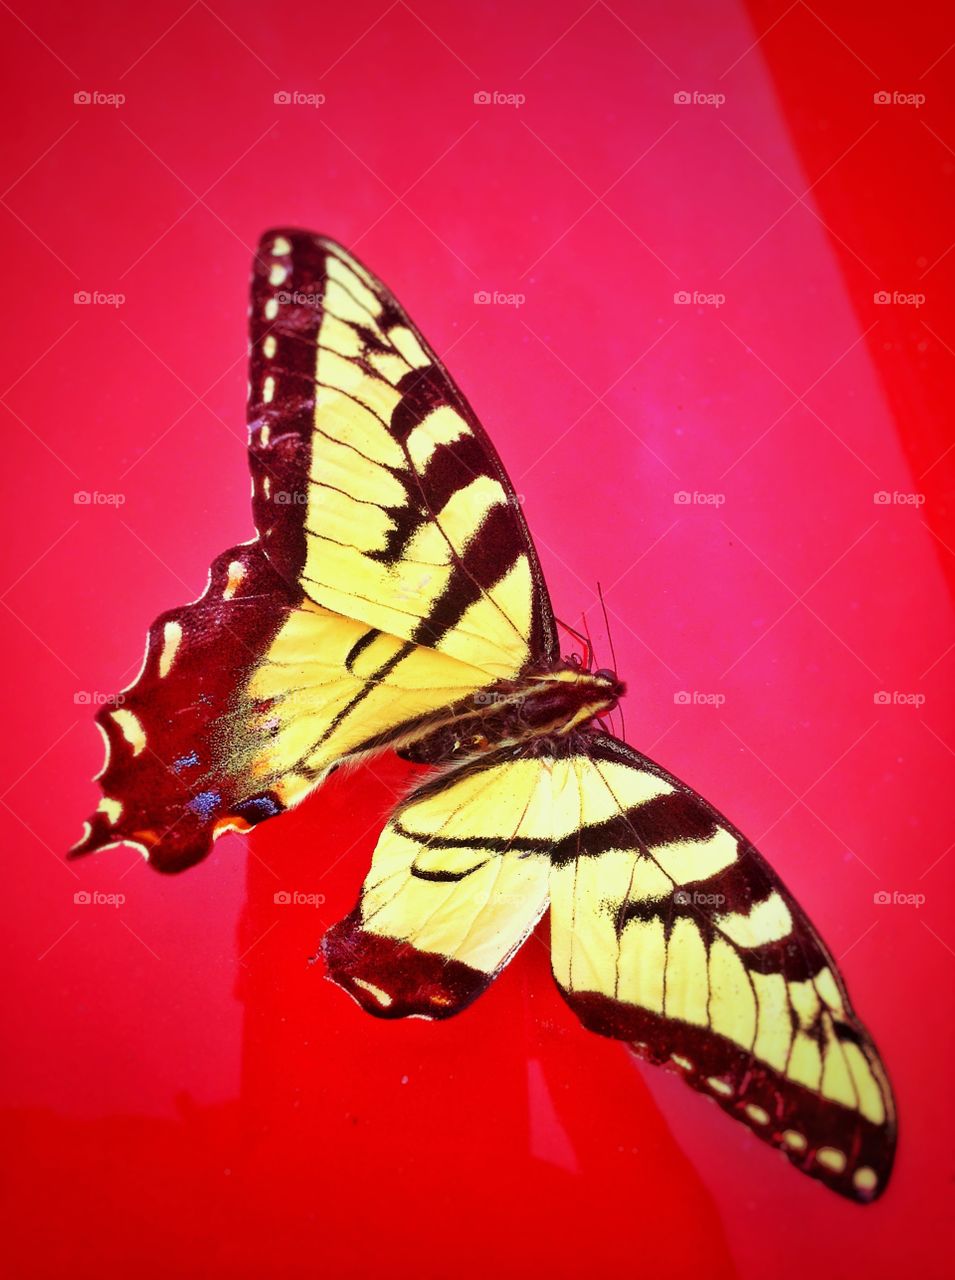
(541, 704)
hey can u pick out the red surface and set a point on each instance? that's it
(183, 1093)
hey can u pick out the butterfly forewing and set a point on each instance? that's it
(375, 488)
(392, 575)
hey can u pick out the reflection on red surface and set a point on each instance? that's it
(161, 1124)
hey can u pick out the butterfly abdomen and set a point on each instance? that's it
(541, 705)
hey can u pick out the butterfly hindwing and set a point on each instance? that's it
(246, 699)
(459, 878)
(166, 788)
(668, 930)
(374, 486)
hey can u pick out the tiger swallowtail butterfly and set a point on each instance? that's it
(392, 599)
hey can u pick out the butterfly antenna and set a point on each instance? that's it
(603, 606)
(590, 643)
(613, 656)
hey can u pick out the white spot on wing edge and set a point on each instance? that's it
(865, 1179)
(832, 1159)
(111, 807)
(720, 1086)
(758, 1115)
(171, 640)
(236, 574)
(131, 727)
(382, 997)
(281, 246)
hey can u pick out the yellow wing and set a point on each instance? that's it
(392, 575)
(458, 880)
(375, 488)
(668, 930)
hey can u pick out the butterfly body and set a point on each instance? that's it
(539, 706)
(393, 600)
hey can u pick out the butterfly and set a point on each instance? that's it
(392, 599)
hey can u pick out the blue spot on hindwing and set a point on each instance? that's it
(205, 803)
